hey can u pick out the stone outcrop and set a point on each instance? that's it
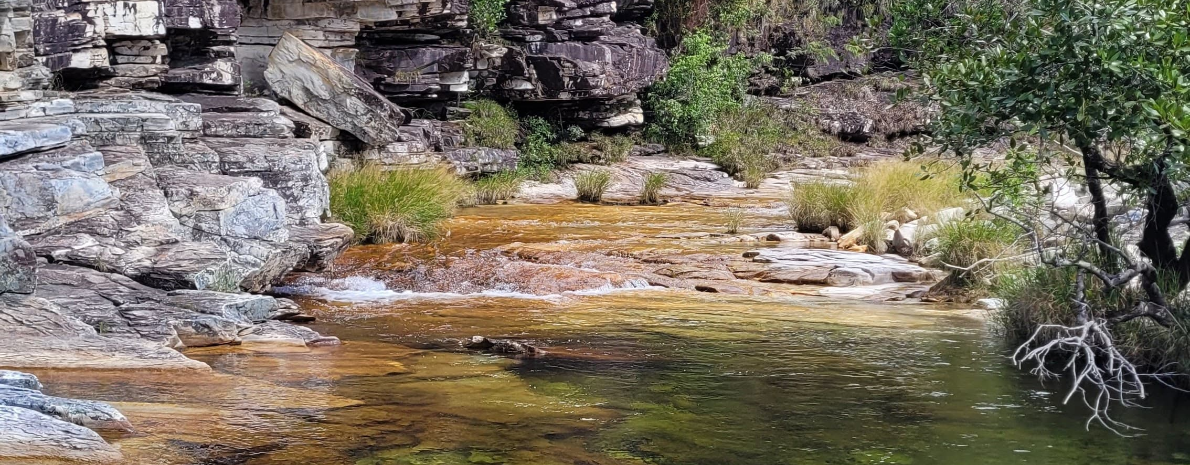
(314, 82)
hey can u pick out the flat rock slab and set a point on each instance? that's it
(92, 352)
(19, 379)
(38, 438)
(258, 125)
(89, 413)
(326, 90)
(828, 267)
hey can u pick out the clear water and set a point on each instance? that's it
(629, 377)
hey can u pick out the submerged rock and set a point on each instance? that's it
(500, 346)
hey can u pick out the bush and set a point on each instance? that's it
(613, 149)
(402, 205)
(703, 82)
(490, 125)
(485, 16)
(592, 184)
(490, 190)
(650, 192)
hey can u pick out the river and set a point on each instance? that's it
(630, 375)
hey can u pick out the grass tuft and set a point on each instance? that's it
(612, 149)
(490, 125)
(877, 190)
(734, 218)
(402, 205)
(650, 192)
(492, 189)
(592, 184)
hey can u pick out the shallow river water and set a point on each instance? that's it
(645, 376)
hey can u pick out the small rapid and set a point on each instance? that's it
(363, 289)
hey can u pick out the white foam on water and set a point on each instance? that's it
(365, 289)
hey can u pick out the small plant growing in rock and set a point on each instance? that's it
(734, 218)
(592, 184)
(485, 16)
(650, 192)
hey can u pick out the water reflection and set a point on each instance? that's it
(648, 377)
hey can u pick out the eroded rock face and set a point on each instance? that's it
(18, 263)
(314, 82)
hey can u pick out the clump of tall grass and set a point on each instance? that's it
(817, 205)
(490, 125)
(976, 247)
(492, 189)
(876, 191)
(745, 139)
(592, 184)
(612, 149)
(650, 191)
(401, 205)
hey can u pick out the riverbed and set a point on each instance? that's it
(631, 373)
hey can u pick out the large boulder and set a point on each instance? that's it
(88, 413)
(320, 86)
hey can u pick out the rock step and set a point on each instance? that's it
(254, 125)
(233, 104)
(18, 137)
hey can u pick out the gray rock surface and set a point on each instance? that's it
(323, 88)
(18, 263)
(19, 379)
(31, 436)
(828, 267)
(87, 413)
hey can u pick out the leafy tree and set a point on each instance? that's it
(1099, 90)
(485, 16)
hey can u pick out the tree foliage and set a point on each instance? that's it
(1099, 91)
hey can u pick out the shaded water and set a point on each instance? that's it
(629, 377)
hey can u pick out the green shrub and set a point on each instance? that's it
(703, 82)
(613, 149)
(745, 140)
(490, 125)
(485, 16)
(650, 191)
(1032, 296)
(402, 205)
(490, 190)
(592, 184)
